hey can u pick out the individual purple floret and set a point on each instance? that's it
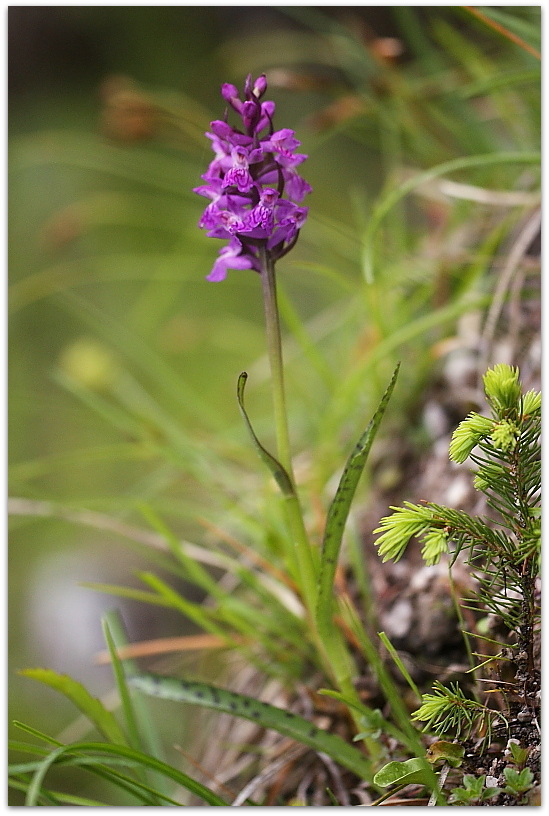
(254, 188)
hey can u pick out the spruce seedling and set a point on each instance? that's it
(503, 553)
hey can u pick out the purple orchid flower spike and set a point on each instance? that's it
(254, 188)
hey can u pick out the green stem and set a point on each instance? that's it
(303, 555)
(332, 649)
(274, 348)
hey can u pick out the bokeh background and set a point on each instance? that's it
(123, 359)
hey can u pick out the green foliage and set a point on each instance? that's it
(263, 714)
(444, 751)
(505, 557)
(467, 436)
(86, 754)
(518, 781)
(473, 792)
(518, 755)
(143, 777)
(397, 530)
(502, 387)
(279, 474)
(336, 521)
(412, 771)
(509, 474)
(92, 708)
(449, 711)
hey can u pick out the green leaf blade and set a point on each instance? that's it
(91, 707)
(279, 473)
(264, 714)
(133, 786)
(412, 771)
(339, 511)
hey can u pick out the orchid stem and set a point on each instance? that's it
(303, 556)
(274, 347)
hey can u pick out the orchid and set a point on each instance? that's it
(254, 189)
(255, 203)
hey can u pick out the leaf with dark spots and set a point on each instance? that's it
(266, 715)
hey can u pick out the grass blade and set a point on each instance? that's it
(387, 202)
(398, 662)
(150, 741)
(128, 592)
(56, 797)
(509, 27)
(91, 707)
(35, 733)
(146, 761)
(391, 691)
(201, 615)
(123, 691)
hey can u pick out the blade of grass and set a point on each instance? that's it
(26, 748)
(201, 615)
(78, 801)
(302, 338)
(150, 796)
(92, 765)
(158, 646)
(145, 542)
(57, 797)
(107, 268)
(398, 662)
(392, 693)
(388, 201)
(210, 619)
(122, 751)
(125, 697)
(502, 80)
(493, 17)
(58, 462)
(278, 622)
(95, 766)
(144, 167)
(250, 622)
(35, 733)
(128, 592)
(355, 550)
(112, 414)
(23, 785)
(192, 568)
(143, 356)
(352, 384)
(147, 729)
(103, 720)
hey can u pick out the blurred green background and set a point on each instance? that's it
(123, 359)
